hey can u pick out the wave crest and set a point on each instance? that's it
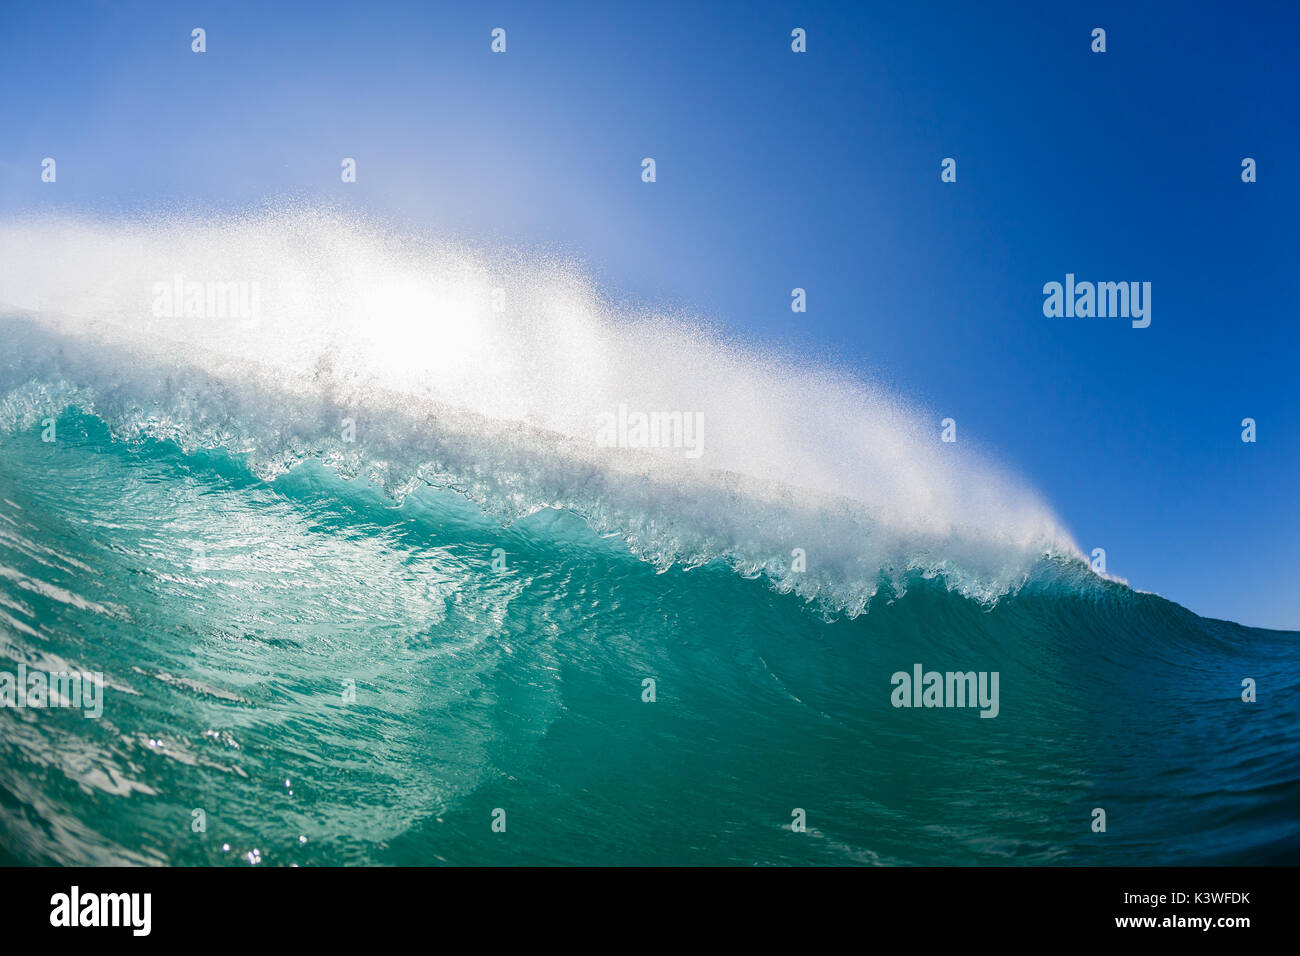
(407, 360)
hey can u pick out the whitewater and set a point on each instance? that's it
(403, 337)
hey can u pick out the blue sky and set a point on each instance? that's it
(775, 170)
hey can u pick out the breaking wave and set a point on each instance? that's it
(407, 360)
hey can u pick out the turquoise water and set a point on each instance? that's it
(365, 575)
(226, 611)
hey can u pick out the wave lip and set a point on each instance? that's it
(512, 379)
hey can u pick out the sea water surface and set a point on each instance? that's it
(362, 582)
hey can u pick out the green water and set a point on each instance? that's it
(230, 616)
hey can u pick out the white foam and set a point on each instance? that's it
(400, 334)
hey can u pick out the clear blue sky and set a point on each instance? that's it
(778, 170)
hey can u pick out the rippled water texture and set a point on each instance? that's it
(226, 614)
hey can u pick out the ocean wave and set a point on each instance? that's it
(406, 360)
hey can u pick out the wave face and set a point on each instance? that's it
(363, 564)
